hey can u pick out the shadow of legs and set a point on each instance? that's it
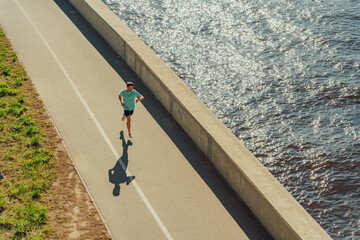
(117, 175)
(116, 191)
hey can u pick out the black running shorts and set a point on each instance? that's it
(128, 112)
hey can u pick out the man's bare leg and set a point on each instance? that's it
(128, 124)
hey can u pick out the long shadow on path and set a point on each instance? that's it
(117, 175)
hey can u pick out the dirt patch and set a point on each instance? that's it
(71, 210)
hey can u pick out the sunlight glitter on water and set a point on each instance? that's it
(283, 76)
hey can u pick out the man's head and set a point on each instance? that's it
(129, 86)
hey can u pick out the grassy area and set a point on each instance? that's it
(26, 153)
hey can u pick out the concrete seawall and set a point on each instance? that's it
(278, 211)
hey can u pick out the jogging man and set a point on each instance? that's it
(129, 95)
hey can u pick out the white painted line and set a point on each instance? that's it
(137, 187)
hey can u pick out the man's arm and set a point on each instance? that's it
(140, 98)
(122, 104)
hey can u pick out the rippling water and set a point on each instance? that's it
(284, 76)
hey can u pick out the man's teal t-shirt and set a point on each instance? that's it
(129, 99)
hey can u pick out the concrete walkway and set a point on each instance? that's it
(177, 193)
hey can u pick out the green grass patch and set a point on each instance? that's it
(5, 69)
(26, 153)
(2, 201)
(5, 90)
